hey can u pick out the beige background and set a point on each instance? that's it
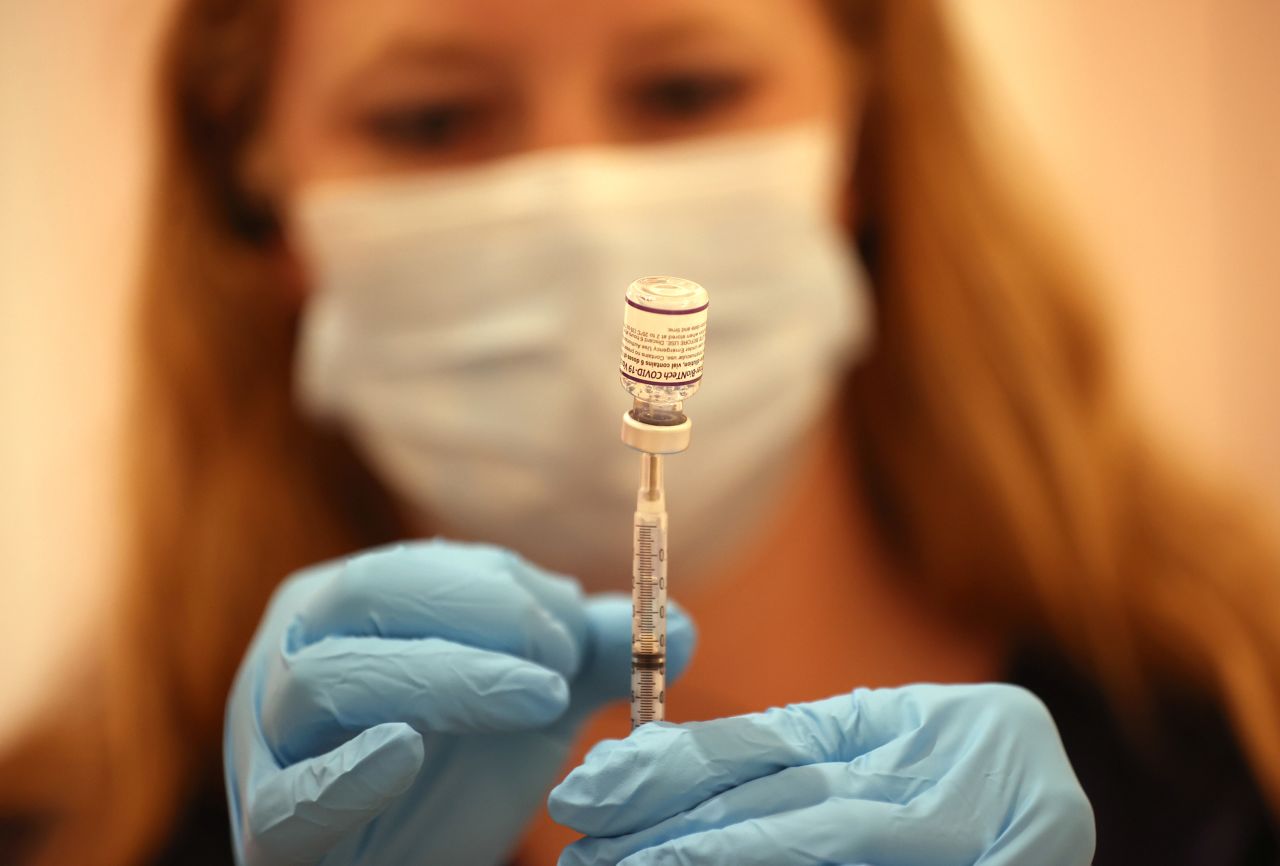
(1157, 120)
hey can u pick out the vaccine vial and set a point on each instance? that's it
(664, 335)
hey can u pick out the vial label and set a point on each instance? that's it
(661, 347)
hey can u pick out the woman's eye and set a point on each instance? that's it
(690, 97)
(435, 127)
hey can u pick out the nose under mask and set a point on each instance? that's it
(464, 330)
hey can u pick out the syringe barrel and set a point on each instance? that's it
(649, 618)
(648, 690)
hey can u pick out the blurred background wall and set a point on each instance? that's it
(1160, 125)
(74, 147)
(1157, 123)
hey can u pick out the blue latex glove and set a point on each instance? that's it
(414, 704)
(918, 776)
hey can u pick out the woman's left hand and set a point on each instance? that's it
(918, 776)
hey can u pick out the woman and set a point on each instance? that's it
(973, 501)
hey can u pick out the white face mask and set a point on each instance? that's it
(464, 329)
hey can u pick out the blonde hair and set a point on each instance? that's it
(1005, 474)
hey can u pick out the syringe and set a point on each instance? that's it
(664, 333)
(649, 596)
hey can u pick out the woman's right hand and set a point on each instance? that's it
(415, 704)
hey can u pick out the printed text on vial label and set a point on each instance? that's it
(669, 349)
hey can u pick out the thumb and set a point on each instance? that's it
(606, 669)
(303, 811)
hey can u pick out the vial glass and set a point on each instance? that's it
(664, 332)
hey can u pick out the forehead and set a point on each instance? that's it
(350, 30)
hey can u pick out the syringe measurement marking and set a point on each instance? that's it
(645, 578)
(648, 705)
(648, 655)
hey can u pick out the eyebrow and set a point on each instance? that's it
(434, 54)
(690, 28)
(429, 52)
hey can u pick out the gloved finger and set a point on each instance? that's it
(298, 814)
(469, 594)
(661, 769)
(317, 697)
(937, 828)
(606, 669)
(790, 790)
(562, 596)
(833, 831)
